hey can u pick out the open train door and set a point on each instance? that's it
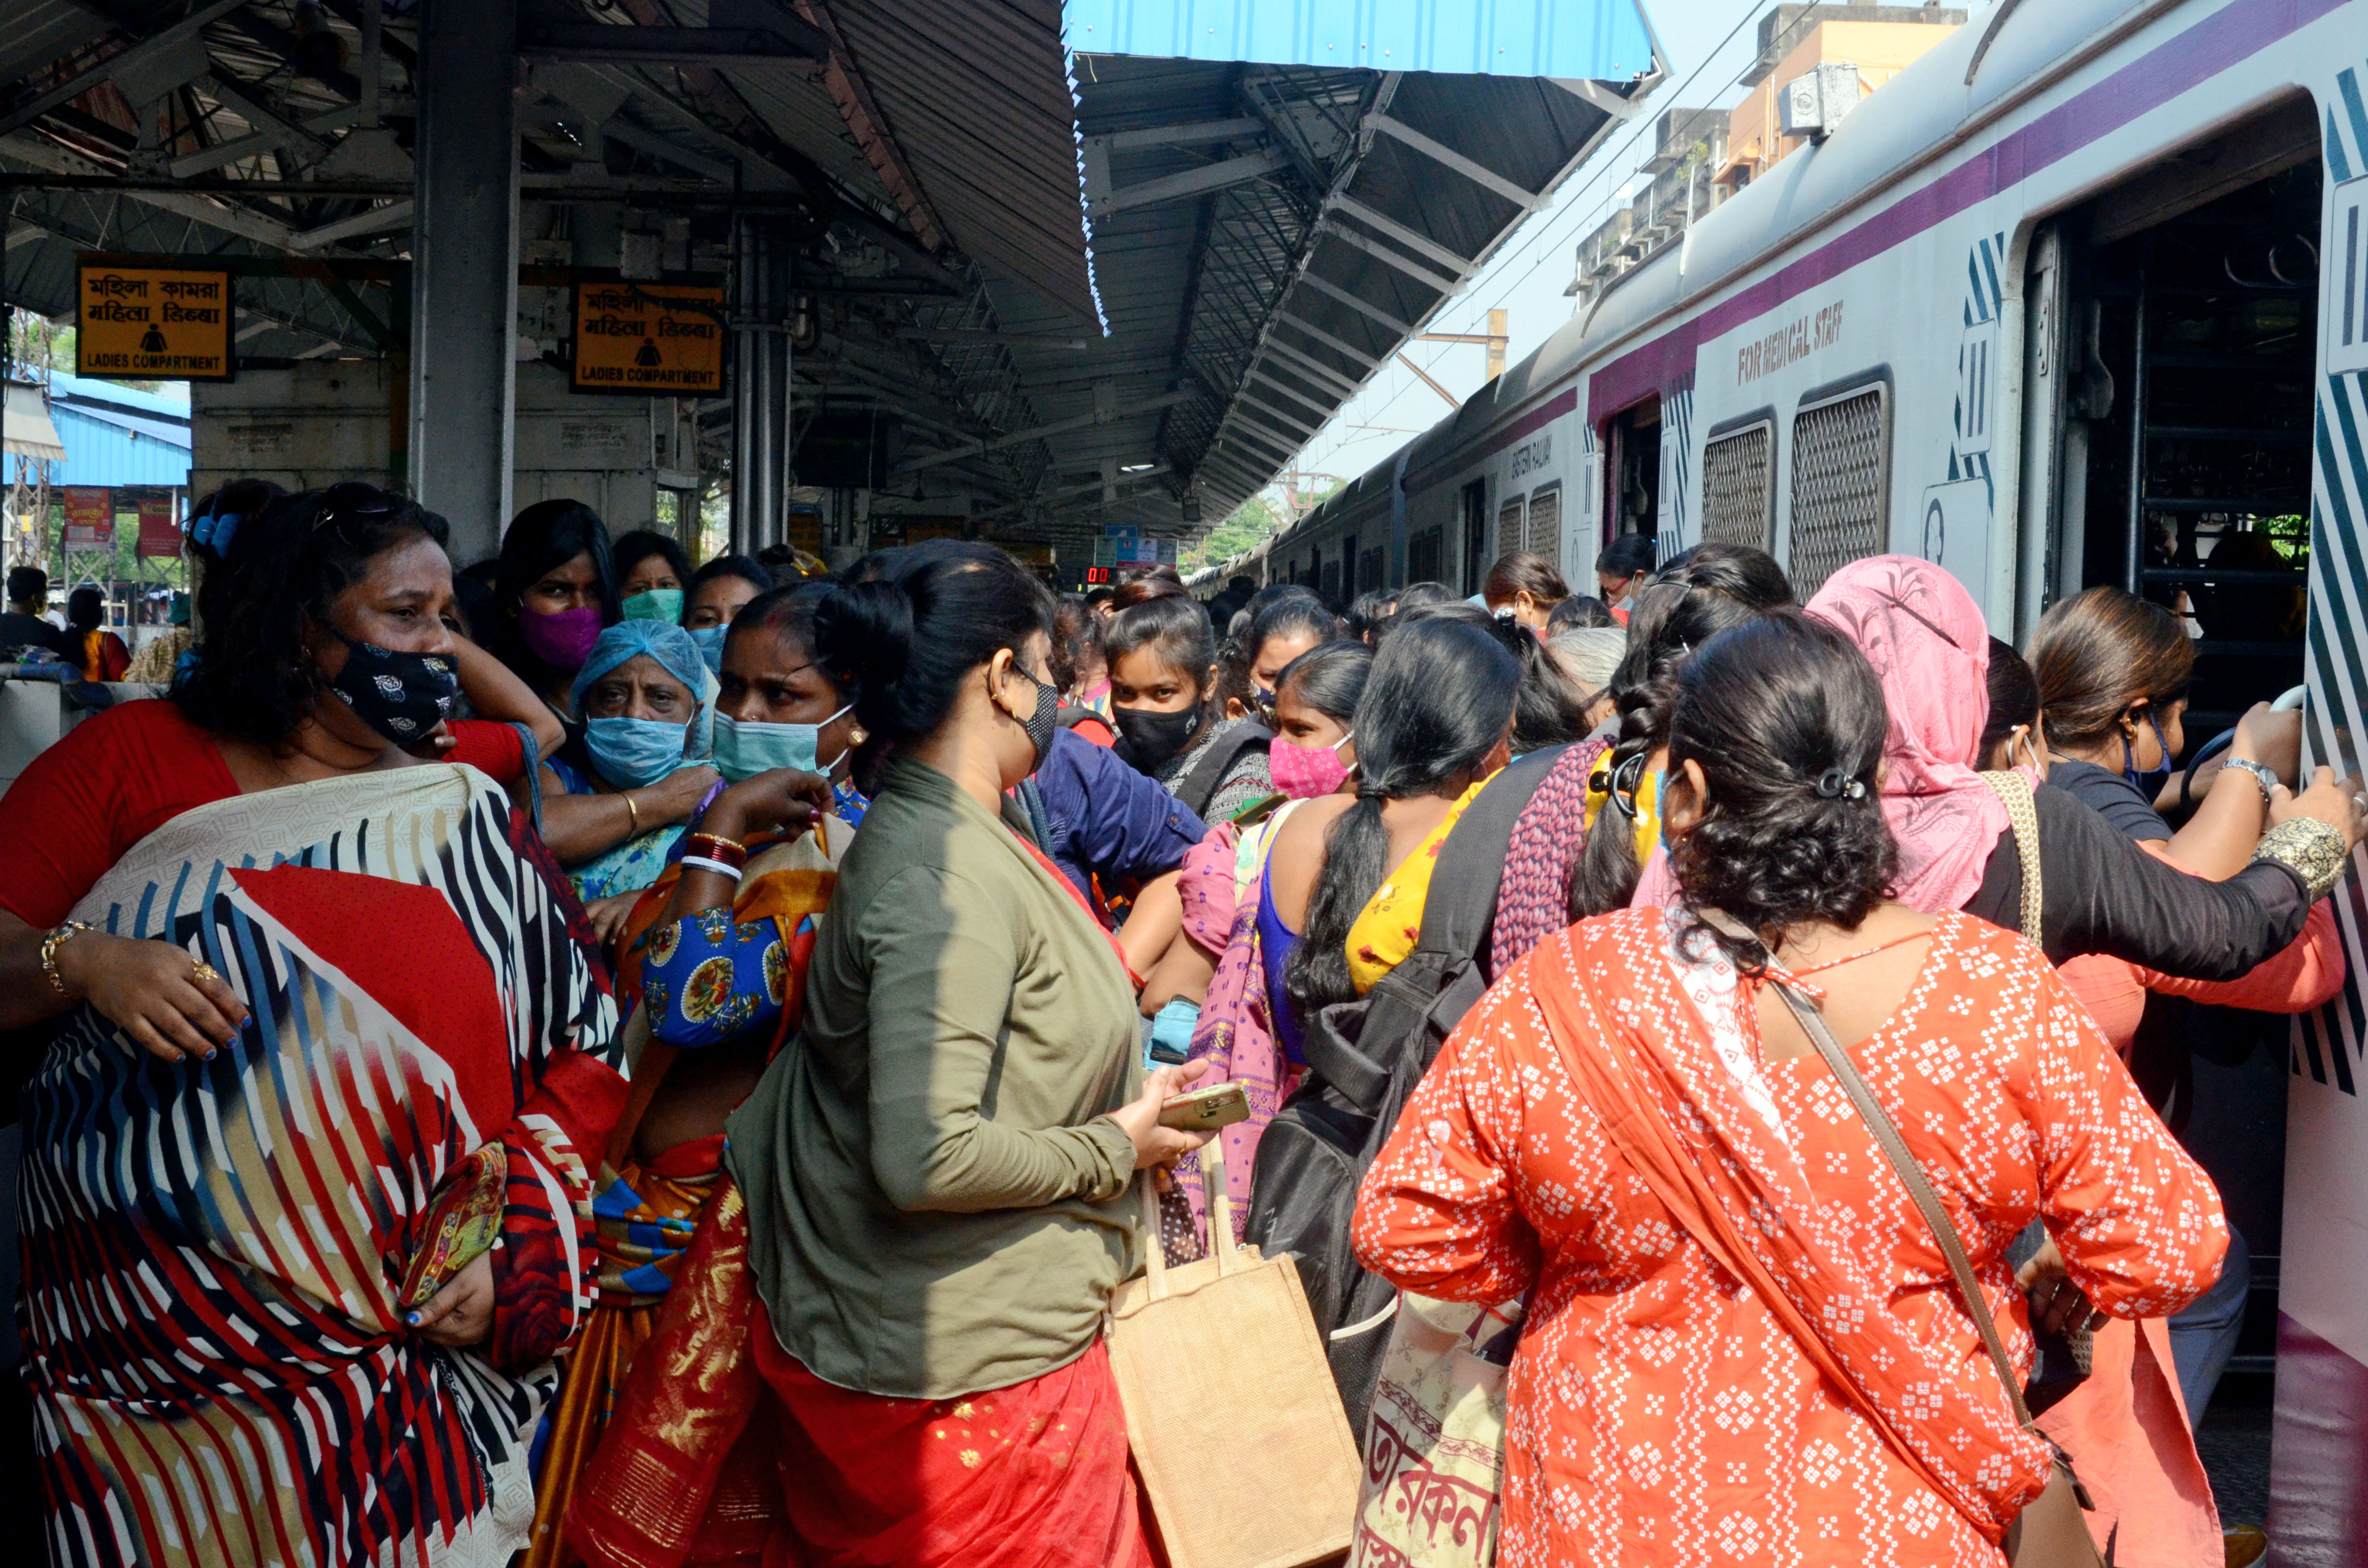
(2318, 1487)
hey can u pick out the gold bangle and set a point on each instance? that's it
(633, 816)
(2311, 849)
(49, 944)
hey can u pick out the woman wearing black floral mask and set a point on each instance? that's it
(313, 987)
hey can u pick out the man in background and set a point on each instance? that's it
(21, 625)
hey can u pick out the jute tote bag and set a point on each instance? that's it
(1230, 1409)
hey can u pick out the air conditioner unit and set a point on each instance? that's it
(1812, 104)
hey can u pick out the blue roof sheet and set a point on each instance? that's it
(1603, 41)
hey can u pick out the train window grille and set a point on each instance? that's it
(1545, 523)
(1840, 466)
(1368, 569)
(1738, 485)
(1508, 528)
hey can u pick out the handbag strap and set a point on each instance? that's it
(1928, 1202)
(2013, 792)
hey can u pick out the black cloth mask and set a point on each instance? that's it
(1040, 723)
(402, 696)
(1153, 740)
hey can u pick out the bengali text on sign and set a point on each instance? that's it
(656, 339)
(140, 323)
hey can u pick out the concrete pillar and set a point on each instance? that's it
(464, 270)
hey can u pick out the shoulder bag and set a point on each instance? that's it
(2051, 1532)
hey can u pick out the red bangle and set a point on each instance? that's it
(729, 851)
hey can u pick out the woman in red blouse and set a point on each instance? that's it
(306, 1185)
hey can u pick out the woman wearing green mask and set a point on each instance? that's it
(616, 797)
(719, 591)
(652, 575)
(714, 960)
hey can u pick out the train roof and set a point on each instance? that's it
(1916, 116)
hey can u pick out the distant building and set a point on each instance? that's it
(1881, 41)
(1702, 156)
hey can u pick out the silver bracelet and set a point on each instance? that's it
(2263, 775)
(718, 867)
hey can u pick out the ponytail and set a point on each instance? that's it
(1438, 700)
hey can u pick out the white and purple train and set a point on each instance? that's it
(2081, 297)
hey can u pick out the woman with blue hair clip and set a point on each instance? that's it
(616, 798)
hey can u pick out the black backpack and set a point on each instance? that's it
(1364, 1059)
(1199, 785)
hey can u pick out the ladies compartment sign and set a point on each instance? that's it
(656, 339)
(169, 324)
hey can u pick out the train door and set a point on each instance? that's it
(1474, 500)
(2171, 328)
(1633, 505)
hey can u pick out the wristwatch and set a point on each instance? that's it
(2262, 774)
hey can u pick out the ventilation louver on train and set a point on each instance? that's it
(1738, 486)
(1838, 462)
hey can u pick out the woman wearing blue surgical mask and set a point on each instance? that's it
(719, 591)
(775, 709)
(616, 797)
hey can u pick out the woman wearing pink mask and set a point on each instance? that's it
(556, 585)
(1231, 954)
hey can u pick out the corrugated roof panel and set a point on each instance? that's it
(102, 453)
(975, 94)
(1585, 40)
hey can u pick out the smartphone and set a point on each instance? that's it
(1206, 1109)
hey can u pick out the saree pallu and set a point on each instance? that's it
(646, 1213)
(728, 1450)
(214, 1250)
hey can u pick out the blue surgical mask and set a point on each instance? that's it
(745, 749)
(656, 604)
(630, 752)
(2149, 783)
(711, 646)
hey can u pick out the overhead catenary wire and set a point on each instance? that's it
(1553, 232)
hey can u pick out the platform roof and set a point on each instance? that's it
(1095, 282)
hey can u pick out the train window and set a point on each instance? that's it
(1545, 523)
(1350, 575)
(1329, 586)
(1841, 471)
(1738, 486)
(1476, 533)
(1423, 552)
(1368, 569)
(1509, 528)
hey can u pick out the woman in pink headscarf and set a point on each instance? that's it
(2100, 894)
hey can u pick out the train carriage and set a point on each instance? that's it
(2080, 297)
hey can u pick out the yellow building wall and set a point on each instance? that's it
(1880, 49)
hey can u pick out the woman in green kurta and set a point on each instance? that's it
(937, 1175)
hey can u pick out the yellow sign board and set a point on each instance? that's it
(152, 323)
(636, 337)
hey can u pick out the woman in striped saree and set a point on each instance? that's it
(306, 1199)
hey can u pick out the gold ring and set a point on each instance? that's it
(204, 971)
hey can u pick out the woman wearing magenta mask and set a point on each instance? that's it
(556, 583)
(617, 796)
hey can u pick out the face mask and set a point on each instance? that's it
(657, 604)
(402, 696)
(1262, 703)
(630, 752)
(745, 748)
(1154, 739)
(1304, 772)
(1043, 718)
(2150, 782)
(562, 639)
(711, 646)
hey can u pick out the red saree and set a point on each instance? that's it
(728, 1451)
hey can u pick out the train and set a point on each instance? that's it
(2080, 297)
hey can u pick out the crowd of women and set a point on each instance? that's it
(648, 1065)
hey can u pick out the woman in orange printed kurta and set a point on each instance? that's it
(1813, 1392)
